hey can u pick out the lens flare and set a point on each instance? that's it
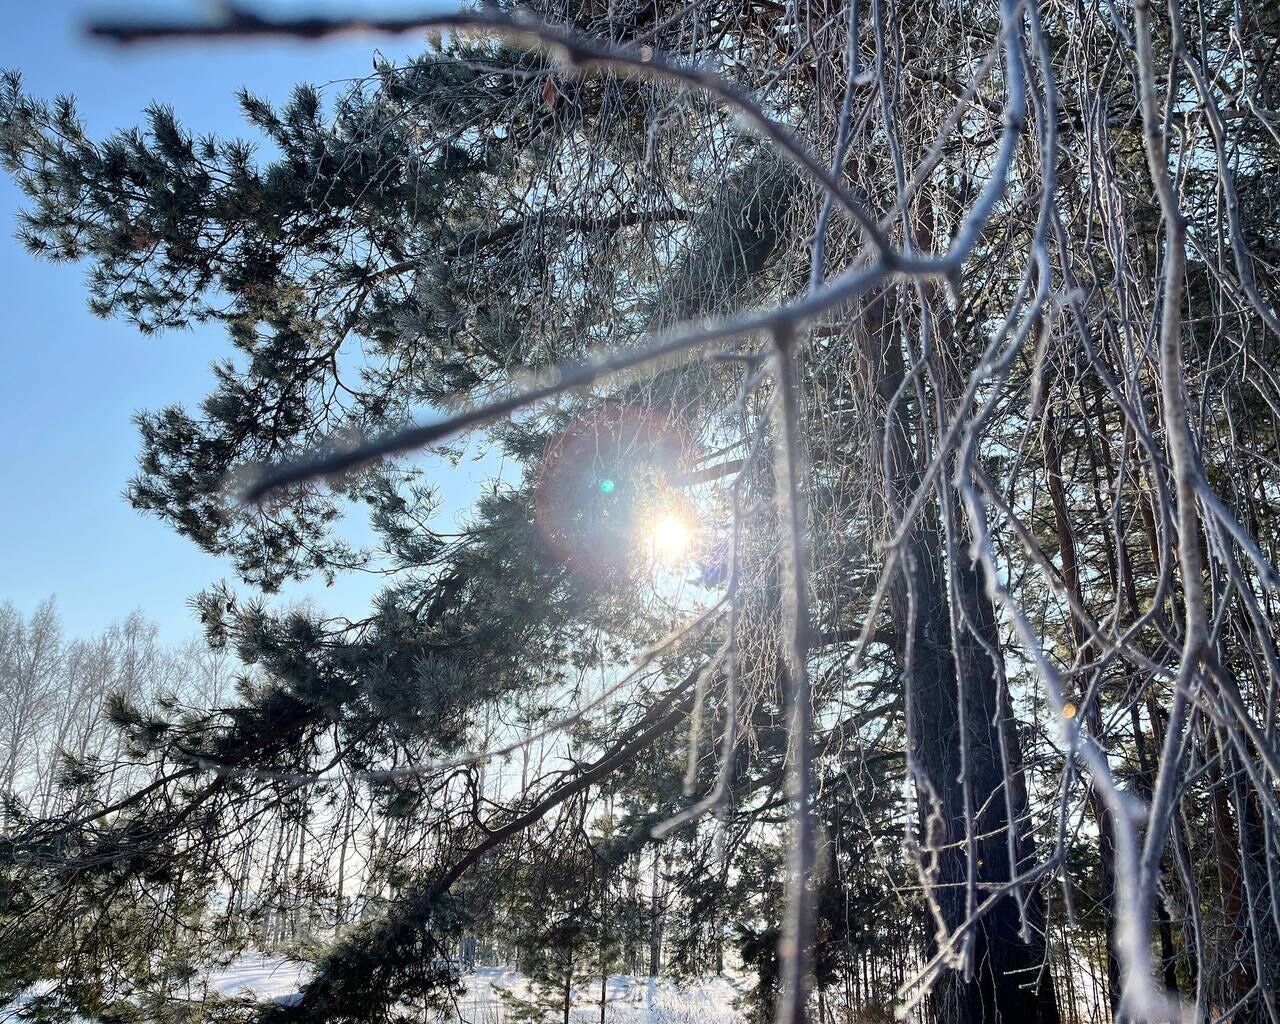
(609, 497)
(671, 538)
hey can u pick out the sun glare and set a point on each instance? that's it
(671, 538)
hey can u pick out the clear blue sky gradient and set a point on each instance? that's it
(69, 382)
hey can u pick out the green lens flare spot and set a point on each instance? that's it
(607, 486)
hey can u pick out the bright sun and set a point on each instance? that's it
(671, 538)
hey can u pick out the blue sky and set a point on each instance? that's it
(70, 382)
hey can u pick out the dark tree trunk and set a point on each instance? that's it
(1010, 979)
(1010, 975)
(655, 918)
(1242, 855)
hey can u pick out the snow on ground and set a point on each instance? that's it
(253, 975)
(629, 999)
(261, 977)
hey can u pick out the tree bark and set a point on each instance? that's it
(1010, 978)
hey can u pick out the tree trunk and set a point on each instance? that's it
(568, 990)
(655, 917)
(1010, 979)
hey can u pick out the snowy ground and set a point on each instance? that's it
(261, 977)
(630, 1000)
